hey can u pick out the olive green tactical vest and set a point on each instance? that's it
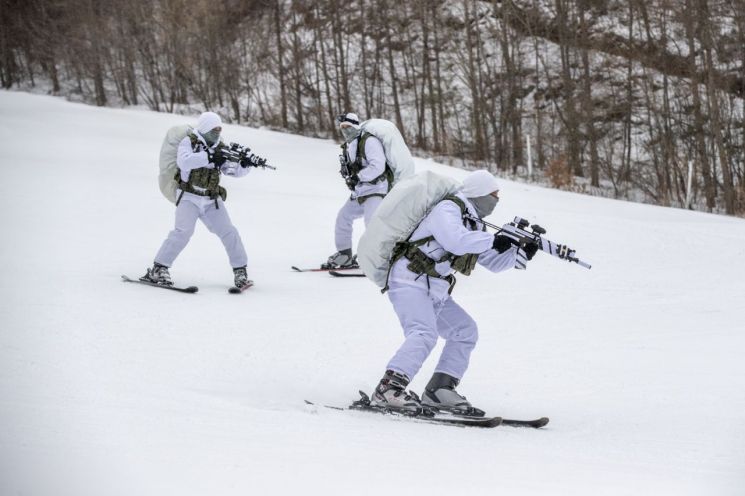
(421, 264)
(356, 166)
(206, 179)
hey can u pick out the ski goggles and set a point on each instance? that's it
(341, 118)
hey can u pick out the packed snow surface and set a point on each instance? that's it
(110, 388)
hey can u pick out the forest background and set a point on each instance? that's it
(613, 98)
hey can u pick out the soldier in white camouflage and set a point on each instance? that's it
(367, 174)
(420, 281)
(200, 196)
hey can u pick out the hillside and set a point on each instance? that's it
(117, 389)
(617, 99)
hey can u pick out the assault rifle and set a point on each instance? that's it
(347, 173)
(518, 232)
(242, 155)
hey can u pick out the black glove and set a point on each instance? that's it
(530, 249)
(503, 243)
(218, 158)
(352, 182)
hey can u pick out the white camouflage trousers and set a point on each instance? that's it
(193, 207)
(424, 319)
(350, 211)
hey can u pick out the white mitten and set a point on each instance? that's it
(230, 168)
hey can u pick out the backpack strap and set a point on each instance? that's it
(420, 263)
(360, 155)
(387, 173)
(464, 212)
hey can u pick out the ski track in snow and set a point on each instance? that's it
(119, 389)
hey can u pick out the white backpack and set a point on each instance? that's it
(397, 217)
(397, 154)
(168, 151)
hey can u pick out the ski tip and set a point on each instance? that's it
(536, 424)
(191, 289)
(541, 422)
(296, 269)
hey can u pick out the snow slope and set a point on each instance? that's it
(118, 389)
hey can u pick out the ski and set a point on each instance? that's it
(297, 269)
(190, 289)
(346, 274)
(364, 405)
(535, 423)
(237, 290)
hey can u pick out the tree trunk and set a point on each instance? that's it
(280, 58)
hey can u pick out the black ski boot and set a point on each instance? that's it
(241, 277)
(158, 275)
(390, 394)
(341, 260)
(440, 395)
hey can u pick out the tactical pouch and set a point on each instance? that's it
(465, 263)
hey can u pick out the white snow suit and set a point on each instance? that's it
(211, 212)
(373, 167)
(423, 304)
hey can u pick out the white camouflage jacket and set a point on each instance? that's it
(445, 224)
(372, 167)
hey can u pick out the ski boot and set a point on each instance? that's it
(241, 278)
(390, 394)
(158, 275)
(341, 260)
(440, 395)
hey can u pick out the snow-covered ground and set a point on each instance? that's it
(119, 389)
